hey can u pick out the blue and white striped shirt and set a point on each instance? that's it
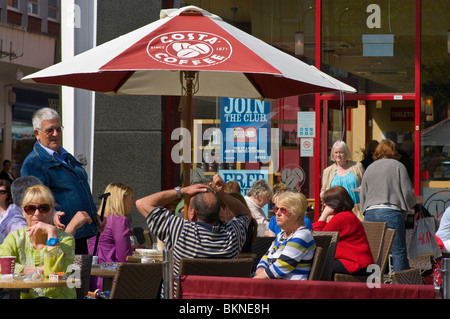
(290, 258)
(189, 239)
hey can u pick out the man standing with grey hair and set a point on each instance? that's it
(63, 174)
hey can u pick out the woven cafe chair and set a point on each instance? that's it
(148, 239)
(260, 246)
(83, 263)
(317, 264)
(236, 267)
(382, 261)
(407, 277)
(375, 235)
(327, 240)
(137, 281)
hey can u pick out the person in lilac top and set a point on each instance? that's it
(11, 216)
(114, 244)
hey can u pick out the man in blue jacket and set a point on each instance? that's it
(63, 174)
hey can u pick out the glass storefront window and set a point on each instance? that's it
(278, 23)
(370, 44)
(435, 106)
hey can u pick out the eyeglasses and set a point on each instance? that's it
(31, 209)
(282, 210)
(3, 192)
(50, 131)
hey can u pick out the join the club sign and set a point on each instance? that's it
(190, 49)
(245, 126)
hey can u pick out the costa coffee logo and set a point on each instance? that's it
(197, 49)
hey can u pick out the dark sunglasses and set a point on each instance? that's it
(3, 192)
(31, 209)
(282, 210)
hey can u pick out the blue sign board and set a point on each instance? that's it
(245, 126)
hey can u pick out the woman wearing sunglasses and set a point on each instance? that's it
(40, 247)
(291, 254)
(353, 253)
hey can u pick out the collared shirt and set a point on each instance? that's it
(59, 155)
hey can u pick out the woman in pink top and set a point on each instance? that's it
(114, 244)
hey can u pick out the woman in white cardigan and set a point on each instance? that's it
(344, 172)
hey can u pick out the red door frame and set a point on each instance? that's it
(321, 142)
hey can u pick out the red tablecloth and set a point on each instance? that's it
(207, 287)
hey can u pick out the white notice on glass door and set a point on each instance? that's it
(307, 147)
(306, 124)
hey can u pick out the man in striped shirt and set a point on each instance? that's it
(203, 235)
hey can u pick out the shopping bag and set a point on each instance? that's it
(423, 242)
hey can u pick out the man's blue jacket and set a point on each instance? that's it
(68, 182)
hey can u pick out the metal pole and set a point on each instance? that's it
(445, 278)
(168, 274)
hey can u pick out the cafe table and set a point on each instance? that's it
(16, 286)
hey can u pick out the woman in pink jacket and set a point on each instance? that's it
(114, 244)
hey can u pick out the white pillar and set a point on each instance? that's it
(78, 34)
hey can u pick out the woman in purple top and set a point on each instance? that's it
(114, 244)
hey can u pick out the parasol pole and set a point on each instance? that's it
(190, 77)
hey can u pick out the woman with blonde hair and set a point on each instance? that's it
(291, 254)
(114, 244)
(344, 172)
(40, 248)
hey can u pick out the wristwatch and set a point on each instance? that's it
(52, 241)
(178, 190)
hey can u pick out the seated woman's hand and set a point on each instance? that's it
(42, 229)
(260, 274)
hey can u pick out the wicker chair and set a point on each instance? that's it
(407, 277)
(83, 263)
(137, 281)
(236, 267)
(148, 239)
(260, 247)
(317, 265)
(375, 234)
(382, 261)
(327, 240)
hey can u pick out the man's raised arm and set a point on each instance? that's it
(146, 204)
(235, 206)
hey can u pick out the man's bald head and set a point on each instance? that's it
(206, 206)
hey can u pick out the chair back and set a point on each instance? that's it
(236, 267)
(327, 240)
(317, 265)
(388, 239)
(407, 277)
(375, 234)
(386, 249)
(148, 239)
(260, 246)
(83, 264)
(137, 281)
